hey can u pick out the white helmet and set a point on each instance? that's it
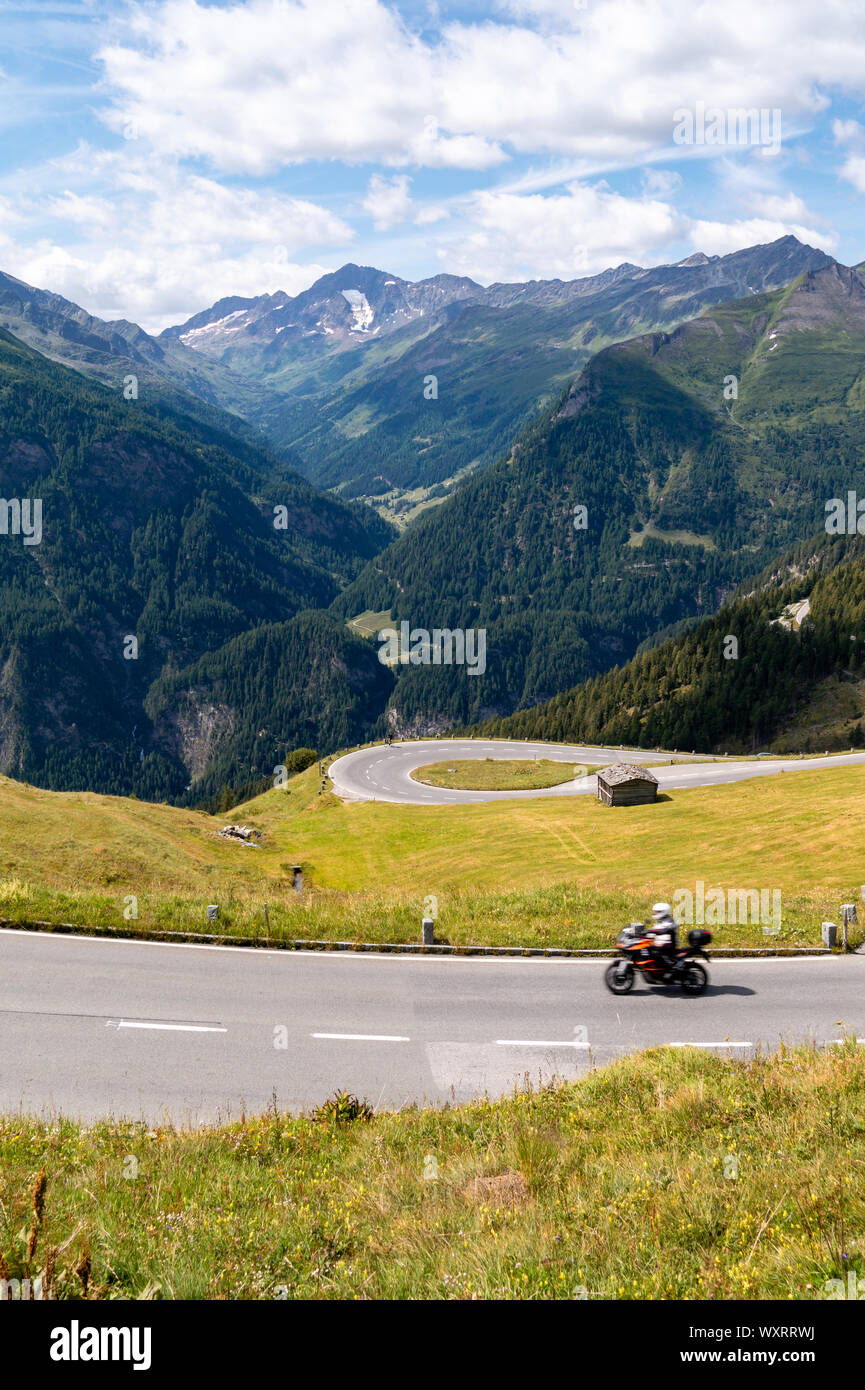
(661, 910)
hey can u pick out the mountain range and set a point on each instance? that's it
(337, 380)
(688, 489)
(353, 361)
(609, 459)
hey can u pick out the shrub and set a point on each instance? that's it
(344, 1108)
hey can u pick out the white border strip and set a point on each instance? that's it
(173, 1027)
(361, 1037)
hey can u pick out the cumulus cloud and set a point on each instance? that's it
(388, 200)
(853, 170)
(788, 207)
(156, 244)
(848, 132)
(579, 232)
(254, 85)
(720, 238)
(588, 228)
(219, 102)
(257, 85)
(140, 283)
(852, 134)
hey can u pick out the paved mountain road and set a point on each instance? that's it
(384, 773)
(92, 1027)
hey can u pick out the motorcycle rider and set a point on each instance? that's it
(663, 933)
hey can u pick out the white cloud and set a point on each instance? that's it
(429, 214)
(254, 85)
(848, 132)
(720, 238)
(851, 134)
(388, 200)
(660, 182)
(156, 245)
(787, 207)
(559, 12)
(853, 170)
(141, 284)
(589, 228)
(257, 85)
(579, 232)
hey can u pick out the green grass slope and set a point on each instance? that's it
(670, 1175)
(533, 872)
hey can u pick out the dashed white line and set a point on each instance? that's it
(173, 1027)
(362, 1037)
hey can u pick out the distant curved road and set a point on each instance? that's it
(384, 773)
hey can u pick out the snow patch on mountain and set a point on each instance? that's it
(213, 329)
(361, 310)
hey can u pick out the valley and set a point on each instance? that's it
(432, 674)
(639, 499)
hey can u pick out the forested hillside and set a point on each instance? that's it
(731, 682)
(226, 718)
(687, 489)
(157, 544)
(160, 637)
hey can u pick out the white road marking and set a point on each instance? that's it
(172, 1027)
(537, 1042)
(839, 1042)
(418, 957)
(361, 1037)
(707, 1044)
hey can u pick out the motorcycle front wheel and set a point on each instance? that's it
(619, 976)
(694, 979)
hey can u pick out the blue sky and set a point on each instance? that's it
(159, 156)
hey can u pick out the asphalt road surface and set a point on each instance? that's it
(92, 1027)
(384, 773)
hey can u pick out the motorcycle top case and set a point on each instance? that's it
(699, 937)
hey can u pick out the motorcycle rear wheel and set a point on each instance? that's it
(619, 977)
(694, 979)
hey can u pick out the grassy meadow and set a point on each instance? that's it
(671, 1174)
(537, 872)
(499, 774)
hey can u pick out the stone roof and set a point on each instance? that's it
(625, 772)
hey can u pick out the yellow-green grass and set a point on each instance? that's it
(652, 532)
(368, 623)
(669, 1175)
(533, 872)
(499, 774)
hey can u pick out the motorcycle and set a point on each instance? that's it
(639, 953)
